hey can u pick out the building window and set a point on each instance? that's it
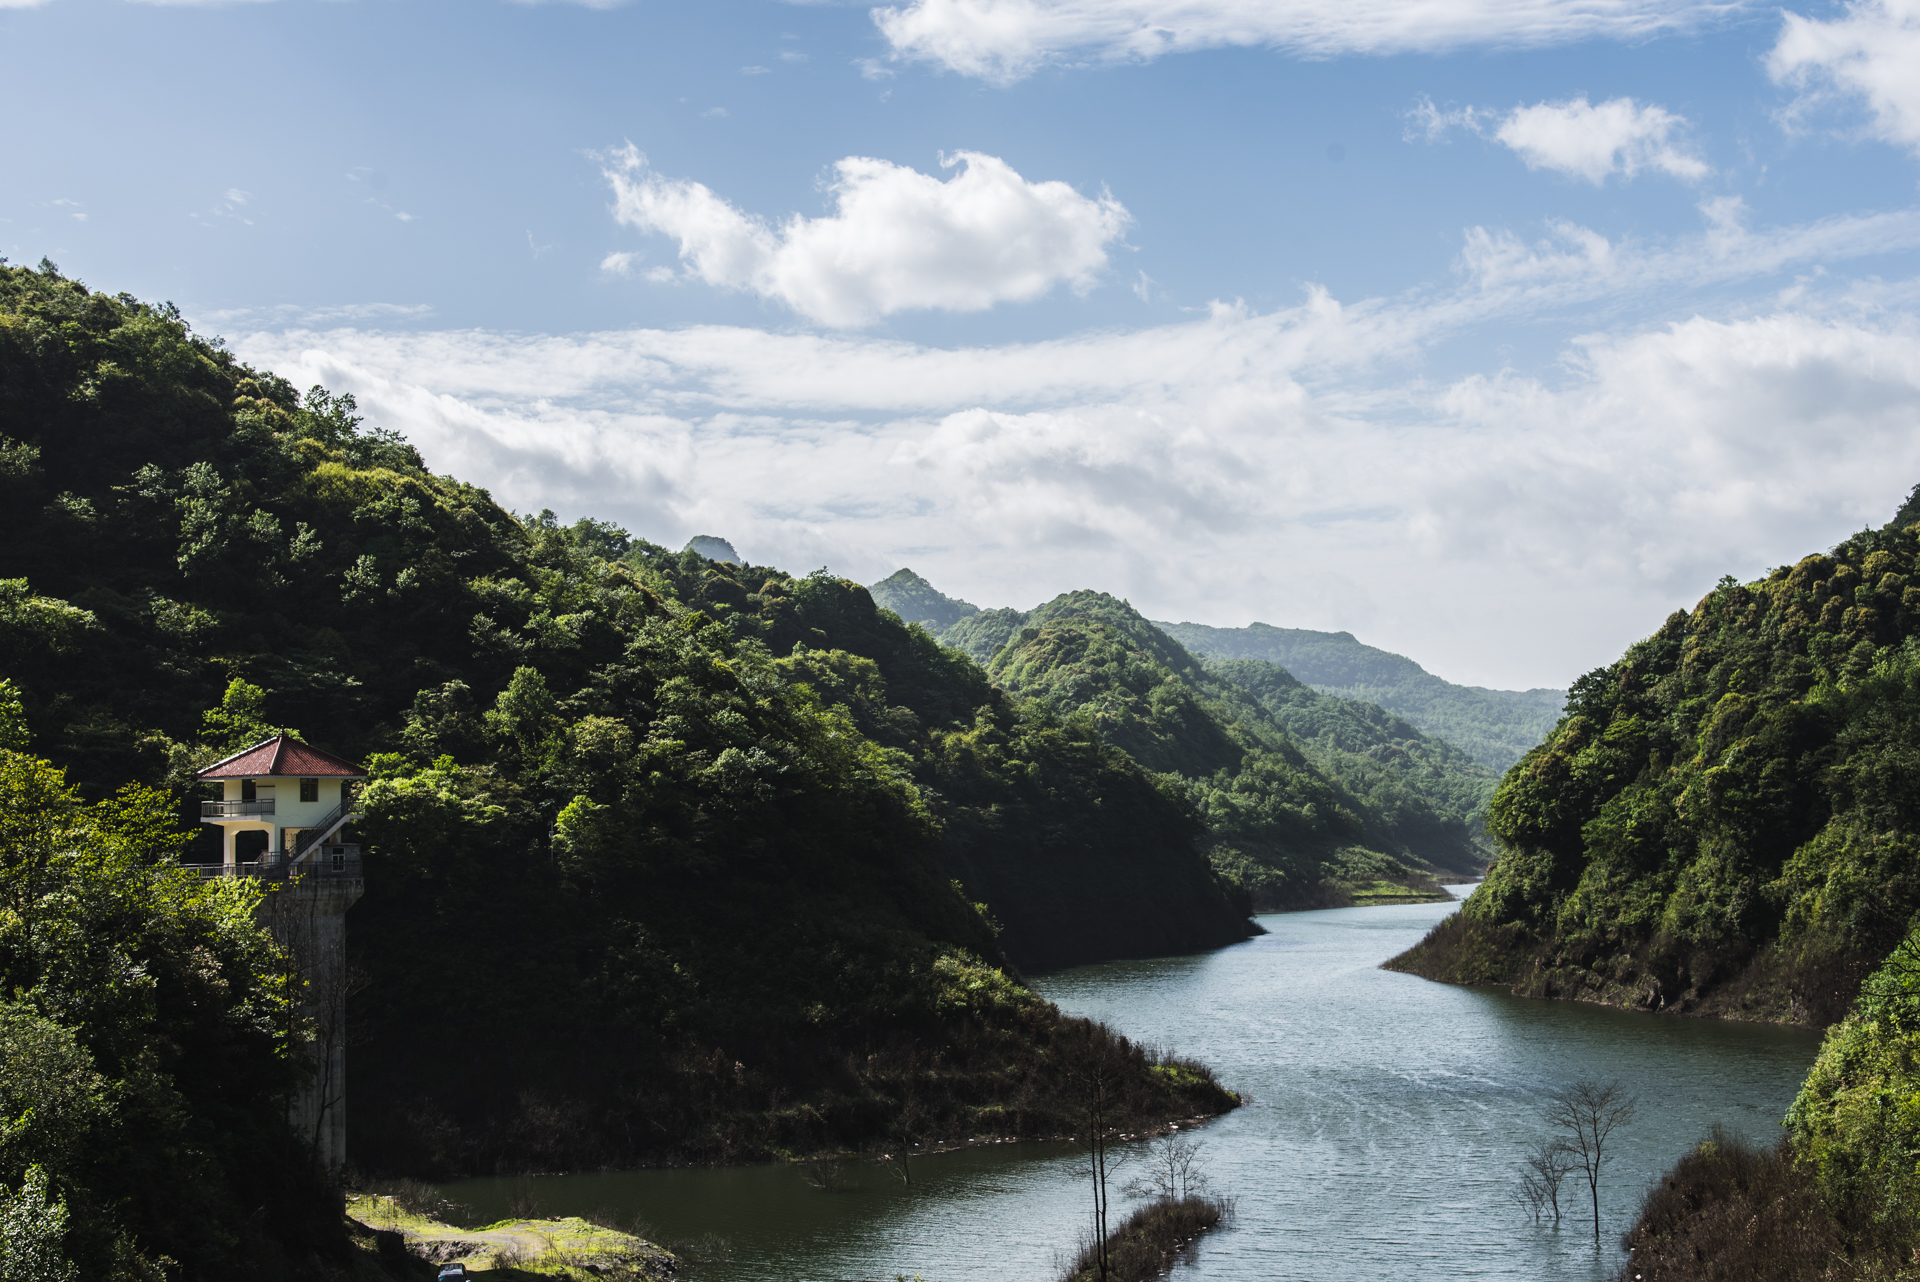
(309, 790)
(247, 790)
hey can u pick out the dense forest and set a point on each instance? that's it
(1409, 790)
(1494, 727)
(1296, 826)
(668, 858)
(1724, 823)
(1724, 819)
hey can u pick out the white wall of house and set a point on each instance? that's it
(289, 812)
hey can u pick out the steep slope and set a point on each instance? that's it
(663, 894)
(1279, 824)
(1724, 821)
(917, 601)
(1078, 852)
(1493, 726)
(1381, 757)
(980, 635)
(1414, 788)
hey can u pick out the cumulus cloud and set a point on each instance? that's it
(620, 262)
(1871, 54)
(1505, 528)
(1617, 137)
(1575, 137)
(897, 240)
(1007, 40)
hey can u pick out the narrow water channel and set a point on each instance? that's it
(1385, 1118)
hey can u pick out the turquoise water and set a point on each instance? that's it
(1384, 1119)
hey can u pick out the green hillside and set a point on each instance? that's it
(689, 860)
(1494, 727)
(1724, 820)
(917, 601)
(1294, 833)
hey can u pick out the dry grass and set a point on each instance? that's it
(1733, 1212)
(1146, 1245)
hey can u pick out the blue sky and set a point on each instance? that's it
(1491, 330)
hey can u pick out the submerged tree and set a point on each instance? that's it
(1589, 1112)
(1542, 1170)
(1171, 1170)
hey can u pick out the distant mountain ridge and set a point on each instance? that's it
(1494, 727)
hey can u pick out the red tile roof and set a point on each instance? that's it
(283, 756)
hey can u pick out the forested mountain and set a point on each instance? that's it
(1410, 790)
(667, 858)
(1493, 726)
(917, 601)
(1725, 818)
(1379, 756)
(1293, 833)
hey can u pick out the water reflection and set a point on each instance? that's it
(1385, 1115)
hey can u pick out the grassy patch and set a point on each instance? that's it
(566, 1246)
(1387, 892)
(1146, 1246)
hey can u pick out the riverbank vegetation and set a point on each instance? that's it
(1838, 1196)
(1149, 1241)
(1723, 822)
(574, 1248)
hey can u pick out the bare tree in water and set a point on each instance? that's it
(1544, 1168)
(1171, 1171)
(1588, 1112)
(1098, 1080)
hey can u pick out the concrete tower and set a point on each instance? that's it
(283, 806)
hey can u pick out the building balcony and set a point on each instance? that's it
(235, 809)
(328, 863)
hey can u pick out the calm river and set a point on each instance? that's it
(1385, 1116)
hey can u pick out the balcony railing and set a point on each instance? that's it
(329, 863)
(235, 809)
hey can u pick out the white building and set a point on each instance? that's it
(295, 795)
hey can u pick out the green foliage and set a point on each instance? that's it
(33, 1233)
(143, 1061)
(689, 853)
(1735, 797)
(239, 722)
(1285, 829)
(1493, 727)
(918, 601)
(14, 736)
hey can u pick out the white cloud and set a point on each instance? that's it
(1574, 137)
(1617, 137)
(1873, 53)
(756, 71)
(1006, 40)
(1301, 466)
(714, 113)
(620, 262)
(897, 240)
